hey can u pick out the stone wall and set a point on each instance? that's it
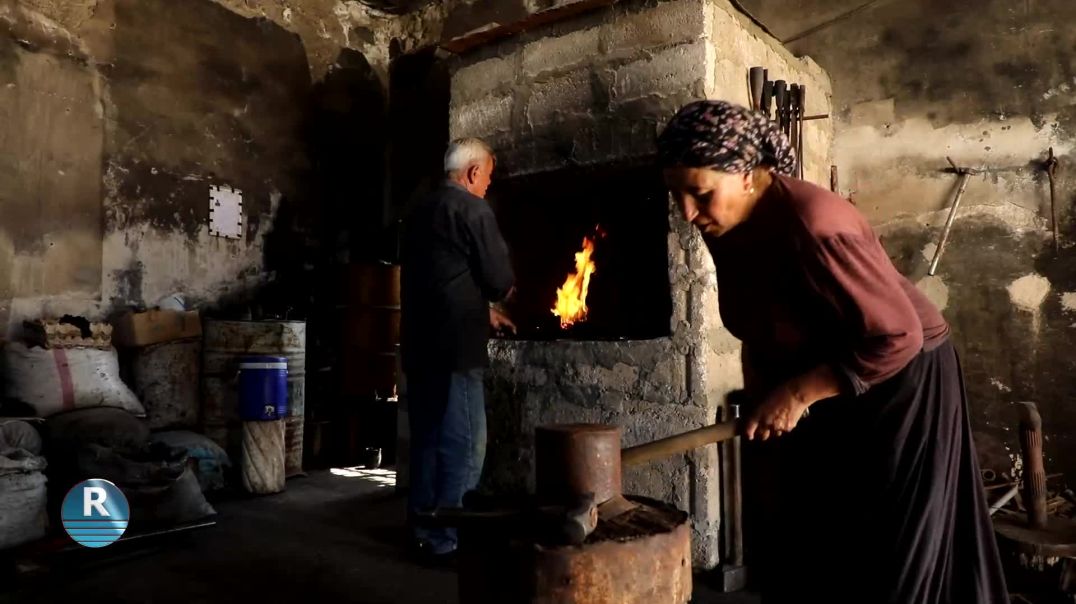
(595, 89)
(601, 86)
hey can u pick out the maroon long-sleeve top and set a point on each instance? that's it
(805, 281)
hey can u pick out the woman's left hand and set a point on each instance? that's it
(779, 413)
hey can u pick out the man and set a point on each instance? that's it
(455, 267)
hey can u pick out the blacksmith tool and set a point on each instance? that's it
(788, 112)
(756, 80)
(1039, 536)
(780, 91)
(574, 460)
(801, 110)
(578, 479)
(793, 121)
(767, 99)
(569, 523)
(965, 174)
(1051, 171)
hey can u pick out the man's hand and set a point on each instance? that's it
(779, 413)
(499, 321)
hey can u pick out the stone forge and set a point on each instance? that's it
(588, 96)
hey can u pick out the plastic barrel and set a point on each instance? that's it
(263, 389)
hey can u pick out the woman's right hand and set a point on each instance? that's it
(778, 413)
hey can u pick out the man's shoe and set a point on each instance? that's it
(423, 553)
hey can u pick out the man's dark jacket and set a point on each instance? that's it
(454, 262)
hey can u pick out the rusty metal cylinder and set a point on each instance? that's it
(1034, 469)
(645, 560)
(572, 460)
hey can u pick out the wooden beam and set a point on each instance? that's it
(497, 31)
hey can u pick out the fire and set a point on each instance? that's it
(571, 304)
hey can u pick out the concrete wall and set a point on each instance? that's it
(119, 116)
(116, 132)
(601, 86)
(595, 89)
(989, 83)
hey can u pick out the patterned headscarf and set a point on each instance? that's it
(725, 137)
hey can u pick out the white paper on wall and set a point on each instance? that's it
(225, 212)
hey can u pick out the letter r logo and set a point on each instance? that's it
(94, 497)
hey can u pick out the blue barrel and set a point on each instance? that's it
(263, 388)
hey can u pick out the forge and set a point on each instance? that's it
(623, 211)
(572, 109)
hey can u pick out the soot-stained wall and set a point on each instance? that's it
(991, 84)
(119, 115)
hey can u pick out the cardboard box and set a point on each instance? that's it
(135, 330)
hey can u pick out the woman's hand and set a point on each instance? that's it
(785, 406)
(779, 413)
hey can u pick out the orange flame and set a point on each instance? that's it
(571, 304)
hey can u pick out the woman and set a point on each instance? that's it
(874, 495)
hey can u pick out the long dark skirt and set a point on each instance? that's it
(876, 499)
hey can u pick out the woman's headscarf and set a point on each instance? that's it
(725, 137)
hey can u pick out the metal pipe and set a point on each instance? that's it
(1006, 498)
(1051, 172)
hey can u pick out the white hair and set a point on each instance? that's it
(466, 152)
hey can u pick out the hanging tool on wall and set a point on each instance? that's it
(793, 121)
(756, 79)
(780, 91)
(785, 104)
(965, 174)
(1051, 171)
(767, 99)
(801, 105)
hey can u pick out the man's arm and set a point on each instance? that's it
(489, 253)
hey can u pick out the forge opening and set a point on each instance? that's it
(545, 217)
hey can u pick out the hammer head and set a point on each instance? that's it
(954, 169)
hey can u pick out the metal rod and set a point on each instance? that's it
(1051, 171)
(1006, 498)
(811, 118)
(965, 174)
(800, 113)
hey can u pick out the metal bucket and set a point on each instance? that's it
(225, 344)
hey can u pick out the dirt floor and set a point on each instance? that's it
(332, 536)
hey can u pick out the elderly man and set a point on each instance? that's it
(455, 267)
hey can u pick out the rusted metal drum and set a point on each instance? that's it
(370, 329)
(575, 459)
(372, 284)
(225, 343)
(642, 558)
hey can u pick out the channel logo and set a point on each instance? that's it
(95, 513)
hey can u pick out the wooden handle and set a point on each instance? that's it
(679, 443)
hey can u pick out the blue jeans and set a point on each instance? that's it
(447, 413)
